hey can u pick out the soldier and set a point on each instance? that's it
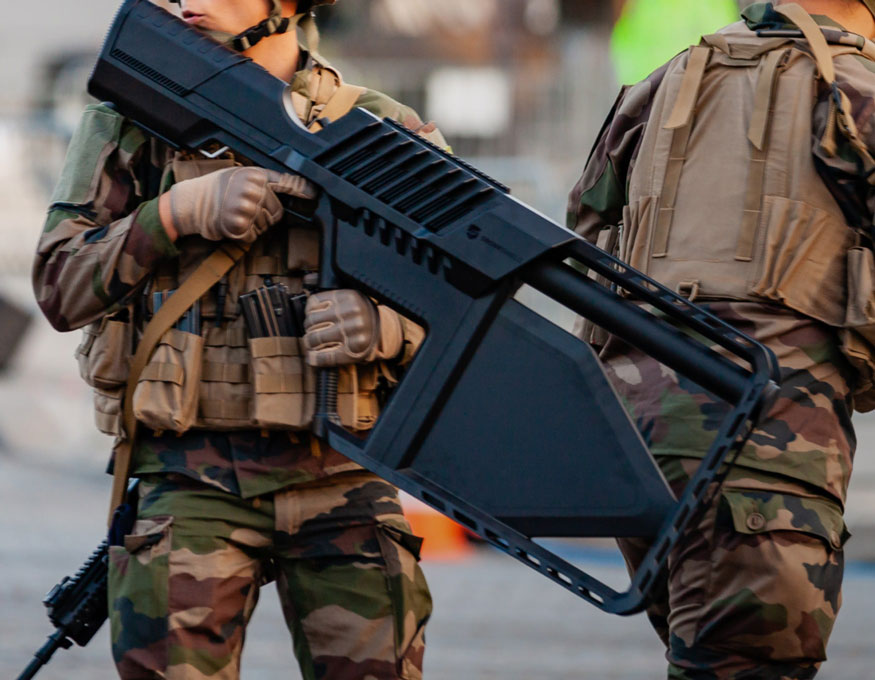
(739, 175)
(234, 491)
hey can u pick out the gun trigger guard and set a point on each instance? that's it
(214, 154)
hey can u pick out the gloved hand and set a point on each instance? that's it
(235, 203)
(344, 327)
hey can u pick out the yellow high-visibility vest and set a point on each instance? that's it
(650, 32)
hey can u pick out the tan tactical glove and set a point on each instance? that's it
(235, 203)
(344, 327)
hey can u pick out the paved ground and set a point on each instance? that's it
(493, 618)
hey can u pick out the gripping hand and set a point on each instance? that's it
(344, 327)
(235, 203)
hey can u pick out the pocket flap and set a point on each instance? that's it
(163, 372)
(147, 532)
(280, 346)
(757, 512)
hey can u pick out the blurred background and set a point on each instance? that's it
(520, 88)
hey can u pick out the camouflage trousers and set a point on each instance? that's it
(183, 586)
(753, 589)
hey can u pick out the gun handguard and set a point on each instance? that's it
(77, 607)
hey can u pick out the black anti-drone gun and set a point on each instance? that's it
(504, 421)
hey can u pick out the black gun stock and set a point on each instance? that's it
(503, 421)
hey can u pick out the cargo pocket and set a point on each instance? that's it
(760, 512)
(357, 403)
(411, 600)
(108, 411)
(284, 386)
(166, 397)
(138, 587)
(104, 355)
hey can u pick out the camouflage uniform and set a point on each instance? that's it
(754, 588)
(222, 512)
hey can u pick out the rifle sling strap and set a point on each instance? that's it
(195, 286)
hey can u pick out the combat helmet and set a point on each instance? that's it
(275, 23)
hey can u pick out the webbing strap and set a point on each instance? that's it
(163, 372)
(840, 117)
(685, 104)
(681, 123)
(208, 273)
(757, 134)
(341, 103)
(225, 409)
(814, 36)
(212, 371)
(279, 383)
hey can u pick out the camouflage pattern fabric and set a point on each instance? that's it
(753, 589)
(807, 437)
(246, 463)
(184, 585)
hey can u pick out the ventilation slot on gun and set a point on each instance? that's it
(416, 179)
(149, 72)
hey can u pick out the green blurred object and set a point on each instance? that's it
(650, 32)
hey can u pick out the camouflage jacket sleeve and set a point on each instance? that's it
(102, 237)
(384, 106)
(596, 201)
(842, 172)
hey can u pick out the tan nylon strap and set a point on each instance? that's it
(814, 36)
(225, 337)
(674, 168)
(225, 409)
(764, 98)
(681, 123)
(276, 346)
(279, 383)
(688, 95)
(339, 105)
(163, 372)
(227, 373)
(195, 286)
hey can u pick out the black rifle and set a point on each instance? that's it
(76, 607)
(503, 421)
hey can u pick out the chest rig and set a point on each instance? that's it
(207, 371)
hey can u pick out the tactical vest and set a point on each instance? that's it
(221, 379)
(725, 201)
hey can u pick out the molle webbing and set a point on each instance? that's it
(681, 122)
(758, 135)
(205, 277)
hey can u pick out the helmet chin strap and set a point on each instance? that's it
(274, 24)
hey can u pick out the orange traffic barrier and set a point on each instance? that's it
(443, 539)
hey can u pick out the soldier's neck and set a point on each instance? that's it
(278, 53)
(854, 17)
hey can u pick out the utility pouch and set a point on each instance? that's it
(166, 397)
(105, 352)
(284, 387)
(108, 411)
(357, 404)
